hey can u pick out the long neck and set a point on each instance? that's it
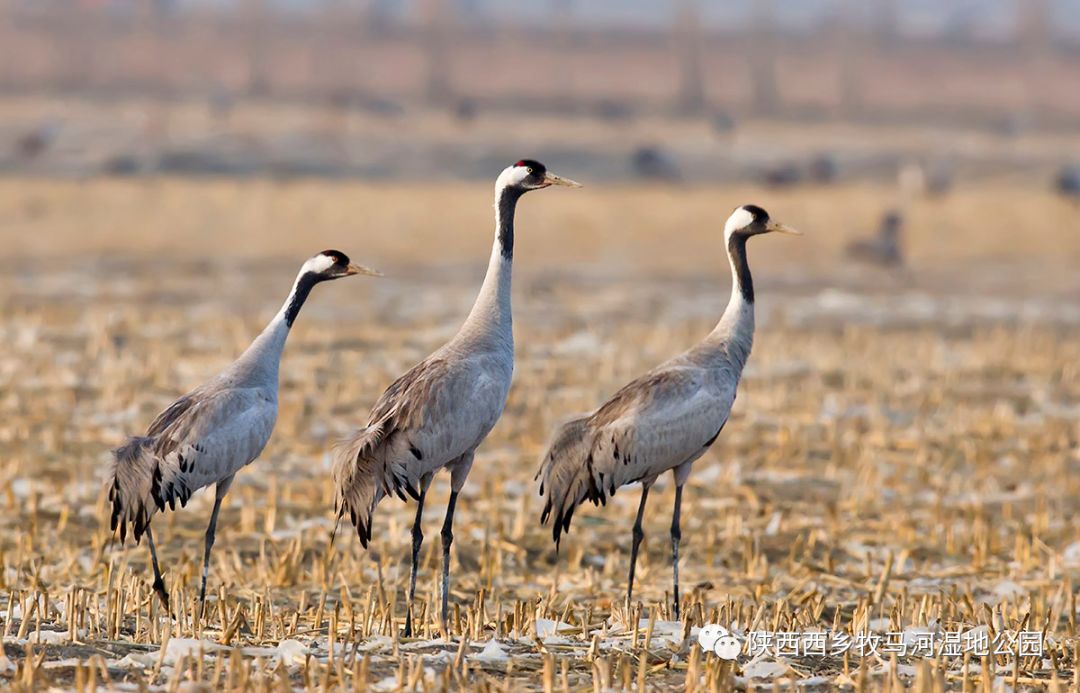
(261, 360)
(490, 318)
(733, 336)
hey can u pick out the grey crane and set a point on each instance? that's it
(209, 434)
(438, 413)
(884, 249)
(1067, 181)
(36, 142)
(664, 420)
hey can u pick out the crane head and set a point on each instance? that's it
(528, 174)
(751, 220)
(334, 264)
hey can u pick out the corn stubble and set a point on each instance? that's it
(875, 474)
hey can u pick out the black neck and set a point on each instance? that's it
(737, 250)
(506, 204)
(300, 293)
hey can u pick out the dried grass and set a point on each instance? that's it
(909, 456)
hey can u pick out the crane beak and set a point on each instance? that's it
(782, 228)
(551, 179)
(360, 269)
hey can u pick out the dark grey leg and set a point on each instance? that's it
(159, 584)
(220, 491)
(676, 535)
(639, 534)
(447, 539)
(417, 540)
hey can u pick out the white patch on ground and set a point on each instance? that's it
(546, 628)
(134, 660)
(814, 681)
(970, 637)
(901, 669)
(708, 473)
(289, 652)
(390, 683)
(578, 343)
(911, 636)
(321, 647)
(377, 643)
(664, 632)
(49, 637)
(773, 528)
(178, 647)
(595, 560)
(765, 669)
(492, 652)
(880, 625)
(1007, 589)
(1071, 555)
(515, 489)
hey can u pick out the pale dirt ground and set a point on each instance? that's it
(904, 446)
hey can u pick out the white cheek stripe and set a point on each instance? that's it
(511, 175)
(740, 218)
(319, 263)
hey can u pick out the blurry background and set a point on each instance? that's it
(942, 119)
(914, 395)
(616, 89)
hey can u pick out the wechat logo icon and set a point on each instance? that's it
(716, 638)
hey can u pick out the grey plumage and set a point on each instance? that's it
(437, 414)
(664, 420)
(433, 416)
(209, 434)
(883, 249)
(1067, 181)
(204, 437)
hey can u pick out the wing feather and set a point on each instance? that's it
(653, 424)
(363, 473)
(434, 413)
(200, 439)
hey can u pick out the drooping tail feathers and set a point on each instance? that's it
(567, 475)
(131, 490)
(362, 476)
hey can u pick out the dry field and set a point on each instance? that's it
(903, 455)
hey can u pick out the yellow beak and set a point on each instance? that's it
(782, 228)
(551, 179)
(360, 269)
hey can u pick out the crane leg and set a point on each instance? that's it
(676, 535)
(459, 471)
(639, 534)
(219, 495)
(417, 540)
(159, 584)
(447, 540)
